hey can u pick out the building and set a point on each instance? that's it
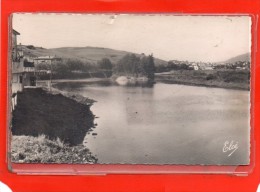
(195, 66)
(46, 60)
(208, 68)
(23, 71)
(17, 67)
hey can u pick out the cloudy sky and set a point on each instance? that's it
(193, 38)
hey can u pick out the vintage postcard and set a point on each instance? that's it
(130, 89)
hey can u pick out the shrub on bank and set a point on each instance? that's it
(210, 77)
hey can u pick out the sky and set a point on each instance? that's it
(168, 37)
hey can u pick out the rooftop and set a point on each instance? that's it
(16, 32)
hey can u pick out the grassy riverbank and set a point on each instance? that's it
(28, 149)
(230, 79)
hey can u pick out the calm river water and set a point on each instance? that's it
(166, 123)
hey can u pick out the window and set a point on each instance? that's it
(20, 79)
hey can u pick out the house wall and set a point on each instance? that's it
(16, 83)
(14, 47)
(14, 101)
(27, 79)
(17, 67)
(28, 69)
(14, 40)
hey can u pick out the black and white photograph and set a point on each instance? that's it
(149, 89)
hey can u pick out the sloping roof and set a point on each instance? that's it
(16, 32)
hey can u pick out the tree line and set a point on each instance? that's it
(136, 66)
(172, 66)
(129, 65)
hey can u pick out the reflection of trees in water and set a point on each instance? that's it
(70, 86)
(148, 84)
(78, 85)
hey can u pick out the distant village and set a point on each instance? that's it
(239, 65)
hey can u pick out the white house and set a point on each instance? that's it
(46, 60)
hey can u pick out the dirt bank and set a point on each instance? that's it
(56, 116)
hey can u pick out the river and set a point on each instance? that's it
(166, 123)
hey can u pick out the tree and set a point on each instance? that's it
(74, 65)
(147, 66)
(105, 64)
(128, 64)
(61, 68)
(42, 66)
(150, 67)
(180, 66)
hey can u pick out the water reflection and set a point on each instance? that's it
(103, 83)
(166, 123)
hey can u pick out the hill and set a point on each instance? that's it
(85, 54)
(243, 57)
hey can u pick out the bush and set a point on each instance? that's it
(174, 66)
(28, 149)
(210, 77)
(30, 47)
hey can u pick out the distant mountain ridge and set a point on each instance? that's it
(242, 57)
(85, 54)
